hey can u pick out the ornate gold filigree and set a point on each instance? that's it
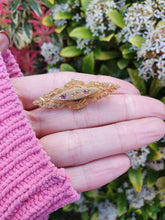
(76, 95)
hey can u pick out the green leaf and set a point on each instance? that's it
(35, 7)
(15, 20)
(106, 55)
(160, 183)
(47, 21)
(136, 178)
(15, 4)
(27, 28)
(104, 70)
(117, 18)
(137, 41)
(25, 6)
(107, 38)
(70, 51)
(88, 63)
(137, 80)
(160, 24)
(58, 30)
(154, 146)
(49, 3)
(68, 208)
(122, 63)
(121, 204)
(128, 54)
(81, 32)
(151, 178)
(63, 15)
(84, 4)
(154, 155)
(155, 87)
(84, 215)
(23, 36)
(94, 216)
(67, 67)
(163, 99)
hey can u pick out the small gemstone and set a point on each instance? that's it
(86, 91)
(63, 96)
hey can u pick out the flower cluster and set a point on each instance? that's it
(156, 165)
(107, 211)
(139, 157)
(84, 44)
(147, 20)
(136, 199)
(96, 17)
(51, 53)
(59, 8)
(153, 52)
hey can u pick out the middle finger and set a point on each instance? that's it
(73, 148)
(115, 108)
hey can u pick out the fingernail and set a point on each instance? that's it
(7, 35)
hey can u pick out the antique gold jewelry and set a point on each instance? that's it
(76, 95)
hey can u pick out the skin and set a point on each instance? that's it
(4, 43)
(91, 144)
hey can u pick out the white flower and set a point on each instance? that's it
(138, 157)
(146, 68)
(82, 204)
(59, 8)
(97, 19)
(77, 17)
(144, 19)
(156, 165)
(83, 44)
(162, 149)
(54, 70)
(148, 193)
(163, 140)
(125, 185)
(137, 199)
(107, 211)
(141, 18)
(51, 53)
(76, 4)
(120, 4)
(120, 190)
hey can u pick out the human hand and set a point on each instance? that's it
(4, 41)
(90, 144)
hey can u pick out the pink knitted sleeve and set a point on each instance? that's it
(31, 187)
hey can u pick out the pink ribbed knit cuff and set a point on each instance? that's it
(31, 187)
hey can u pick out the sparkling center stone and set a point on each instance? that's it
(86, 91)
(63, 96)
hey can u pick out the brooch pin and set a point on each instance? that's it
(76, 95)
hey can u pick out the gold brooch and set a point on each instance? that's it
(76, 95)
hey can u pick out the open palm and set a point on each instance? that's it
(91, 144)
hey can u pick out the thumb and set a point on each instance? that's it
(4, 41)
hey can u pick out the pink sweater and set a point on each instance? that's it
(31, 187)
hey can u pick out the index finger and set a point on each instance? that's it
(30, 88)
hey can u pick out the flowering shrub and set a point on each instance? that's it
(23, 21)
(120, 38)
